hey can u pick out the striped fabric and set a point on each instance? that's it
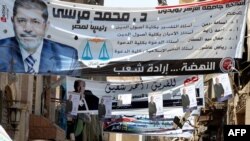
(30, 62)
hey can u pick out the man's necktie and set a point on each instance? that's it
(30, 62)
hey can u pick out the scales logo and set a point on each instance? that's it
(4, 13)
(103, 55)
(96, 52)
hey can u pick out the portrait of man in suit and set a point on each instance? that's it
(152, 108)
(28, 51)
(185, 101)
(79, 87)
(101, 109)
(69, 105)
(119, 102)
(218, 89)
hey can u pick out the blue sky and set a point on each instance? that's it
(136, 3)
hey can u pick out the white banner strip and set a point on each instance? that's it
(102, 35)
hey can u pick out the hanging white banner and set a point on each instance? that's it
(103, 35)
(169, 87)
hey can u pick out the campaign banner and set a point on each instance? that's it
(70, 39)
(139, 124)
(139, 91)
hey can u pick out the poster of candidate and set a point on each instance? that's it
(222, 87)
(124, 100)
(188, 98)
(72, 103)
(155, 105)
(79, 85)
(105, 107)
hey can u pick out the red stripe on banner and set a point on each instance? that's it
(211, 2)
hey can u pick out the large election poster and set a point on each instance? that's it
(77, 39)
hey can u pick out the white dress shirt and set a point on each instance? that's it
(36, 56)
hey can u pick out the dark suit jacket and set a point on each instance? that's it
(101, 111)
(152, 109)
(69, 106)
(218, 90)
(91, 100)
(55, 58)
(185, 100)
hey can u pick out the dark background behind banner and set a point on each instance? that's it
(174, 67)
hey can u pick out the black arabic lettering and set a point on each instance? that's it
(59, 12)
(117, 14)
(125, 16)
(99, 16)
(109, 16)
(165, 11)
(107, 88)
(70, 14)
(154, 86)
(82, 15)
(113, 88)
(144, 19)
